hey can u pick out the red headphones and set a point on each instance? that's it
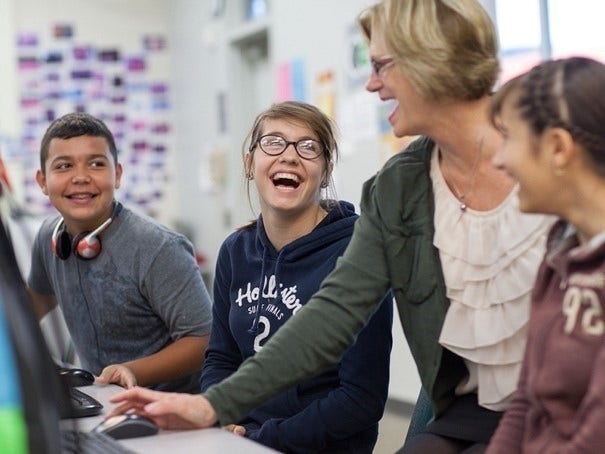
(85, 245)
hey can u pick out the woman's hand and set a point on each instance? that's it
(167, 410)
(119, 374)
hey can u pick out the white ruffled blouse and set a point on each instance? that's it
(489, 261)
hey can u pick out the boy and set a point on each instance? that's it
(130, 290)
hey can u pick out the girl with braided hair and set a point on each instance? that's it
(552, 120)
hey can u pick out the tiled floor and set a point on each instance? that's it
(391, 430)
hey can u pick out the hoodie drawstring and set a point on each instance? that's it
(263, 281)
(254, 328)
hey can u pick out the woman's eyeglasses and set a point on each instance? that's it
(380, 64)
(276, 145)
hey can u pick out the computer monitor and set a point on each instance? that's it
(13, 429)
(41, 398)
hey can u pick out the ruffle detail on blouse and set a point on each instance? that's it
(489, 261)
(500, 378)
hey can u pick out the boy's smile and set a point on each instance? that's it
(80, 178)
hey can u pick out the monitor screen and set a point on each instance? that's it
(13, 431)
(38, 396)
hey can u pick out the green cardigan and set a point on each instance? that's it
(391, 248)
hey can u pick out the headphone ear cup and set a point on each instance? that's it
(86, 248)
(62, 246)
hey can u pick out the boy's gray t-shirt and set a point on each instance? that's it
(143, 291)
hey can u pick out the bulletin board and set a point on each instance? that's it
(64, 75)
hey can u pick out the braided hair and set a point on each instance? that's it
(567, 93)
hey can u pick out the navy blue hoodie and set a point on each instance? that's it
(256, 291)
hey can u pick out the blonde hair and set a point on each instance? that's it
(447, 48)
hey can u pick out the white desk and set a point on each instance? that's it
(208, 441)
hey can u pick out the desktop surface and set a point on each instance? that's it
(208, 441)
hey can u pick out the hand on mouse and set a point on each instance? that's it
(235, 429)
(167, 410)
(118, 374)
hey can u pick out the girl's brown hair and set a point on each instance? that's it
(564, 94)
(305, 114)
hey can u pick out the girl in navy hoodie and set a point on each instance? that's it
(267, 270)
(552, 119)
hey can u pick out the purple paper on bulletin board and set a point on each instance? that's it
(28, 63)
(154, 43)
(109, 55)
(82, 53)
(136, 64)
(27, 39)
(63, 31)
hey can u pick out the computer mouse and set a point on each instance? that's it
(76, 377)
(127, 426)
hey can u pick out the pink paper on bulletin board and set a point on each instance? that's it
(284, 82)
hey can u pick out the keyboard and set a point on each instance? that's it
(74, 442)
(83, 405)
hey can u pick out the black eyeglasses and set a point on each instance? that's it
(276, 145)
(380, 64)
